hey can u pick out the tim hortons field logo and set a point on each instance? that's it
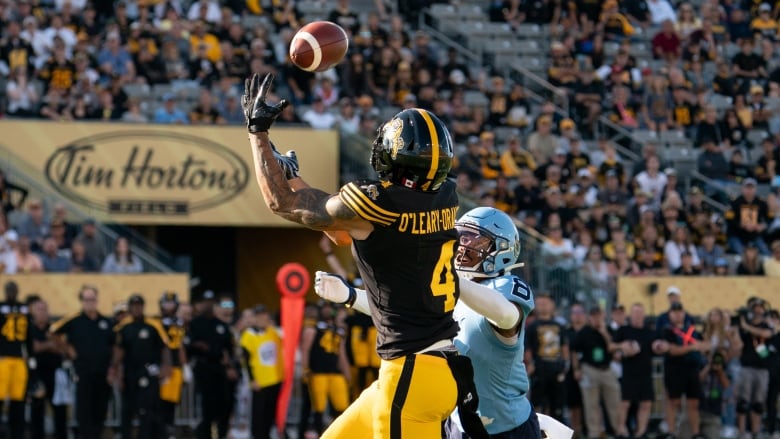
(146, 173)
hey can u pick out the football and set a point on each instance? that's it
(318, 46)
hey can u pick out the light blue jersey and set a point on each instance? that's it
(499, 373)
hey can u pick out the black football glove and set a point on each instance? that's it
(259, 115)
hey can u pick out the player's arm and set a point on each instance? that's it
(490, 303)
(343, 360)
(310, 207)
(339, 237)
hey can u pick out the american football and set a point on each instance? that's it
(318, 46)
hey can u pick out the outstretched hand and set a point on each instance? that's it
(258, 113)
(333, 288)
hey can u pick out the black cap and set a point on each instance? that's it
(676, 306)
(169, 296)
(136, 299)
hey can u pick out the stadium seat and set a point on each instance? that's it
(720, 102)
(475, 98)
(529, 31)
(644, 136)
(471, 13)
(756, 136)
(136, 90)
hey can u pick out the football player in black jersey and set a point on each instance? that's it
(403, 231)
(14, 327)
(170, 389)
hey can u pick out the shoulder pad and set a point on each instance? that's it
(515, 290)
(369, 200)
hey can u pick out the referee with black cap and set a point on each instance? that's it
(141, 358)
(211, 345)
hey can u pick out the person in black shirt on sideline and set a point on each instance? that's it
(753, 379)
(47, 358)
(636, 341)
(211, 345)
(547, 357)
(88, 341)
(143, 359)
(683, 347)
(594, 348)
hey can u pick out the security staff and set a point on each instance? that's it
(14, 327)
(170, 388)
(261, 345)
(211, 345)
(87, 338)
(46, 358)
(141, 358)
(325, 365)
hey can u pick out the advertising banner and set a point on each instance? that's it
(163, 174)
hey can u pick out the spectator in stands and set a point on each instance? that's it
(134, 113)
(750, 264)
(660, 11)
(772, 264)
(26, 261)
(527, 193)
(760, 114)
(168, 113)
(205, 113)
(55, 106)
(739, 171)
(651, 180)
(204, 71)
(686, 267)
(709, 252)
(93, 242)
(748, 66)
(80, 262)
(122, 260)
(34, 225)
(768, 165)
(748, 218)
(687, 20)
(680, 245)
(733, 132)
(22, 95)
(113, 59)
(595, 269)
(709, 128)
(685, 110)
(515, 158)
(318, 117)
(712, 163)
(51, 260)
(105, 110)
(667, 44)
(613, 197)
(542, 143)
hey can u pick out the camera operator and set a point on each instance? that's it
(753, 378)
(714, 381)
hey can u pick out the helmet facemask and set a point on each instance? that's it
(476, 251)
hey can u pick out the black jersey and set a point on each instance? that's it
(14, 326)
(142, 341)
(407, 263)
(324, 353)
(174, 328)
(92, 339)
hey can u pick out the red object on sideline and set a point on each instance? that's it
(293, 282)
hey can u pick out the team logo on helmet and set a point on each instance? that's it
(393, 130)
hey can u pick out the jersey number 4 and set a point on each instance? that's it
(15, 328)
(443, 281)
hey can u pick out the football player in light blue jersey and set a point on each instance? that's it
(491, 315)
(492, 320)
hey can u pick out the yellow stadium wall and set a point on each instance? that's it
(61, 290)
(262, 251)
(699, 293)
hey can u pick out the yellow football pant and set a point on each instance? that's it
(170, 389)
(410, 400)
(13, 378)
(328, 386)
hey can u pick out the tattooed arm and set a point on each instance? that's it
(310, 207)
